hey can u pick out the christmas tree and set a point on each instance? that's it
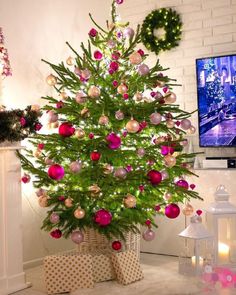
(115, 160)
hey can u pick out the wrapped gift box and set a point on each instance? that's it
(127, 267)
(68, 272)
(102, 267)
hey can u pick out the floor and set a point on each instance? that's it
(160, 278)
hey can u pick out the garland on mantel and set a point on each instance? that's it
(16, 125)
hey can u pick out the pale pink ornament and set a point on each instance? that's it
(103, 120)
(185, 124)
(130, 201)
(155, 118)
(143, 70)
(111, 43)
(48, 161)
(169, 160)
(52, 116)
(128, 32)
(85, 74)
(165, 174)
(119, 115)
(76, 166)
(135, 58)
(77, 237)
(170, 97)
(141, 152)
(132, 126)
(138, 96)
(79, 213)
(120, 173)
(80, 97)
(43, 201)
(167, 196)
(54, 218)
(41, 192)
(94, 91)
(148, 235)
(122, 89)
(68, 202)
(170, 123)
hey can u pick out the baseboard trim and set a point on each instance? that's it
(33, 263)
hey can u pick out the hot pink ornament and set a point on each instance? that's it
(97, 55)
(91, 136)
(141, 188)
(154, 177)
(143, 70)
(116, 245)
(182, 183)
(25, 178)
(41, 146)
(56, 234)
(119, 1)
(129, 168)
(56, 172)
(115, 55)
(59, 104)
(95, 156)
(103, 217)
(148, 222)
(165, 89)
(76, 166)
(114, 141)
(93, 33)
(125, 96)
(114, 66)
(115, 83)
(199, 212)
(54, 218)
(111, 43)
(148, 235)
(172, 211)
(165, 150)
(77, 237)
(157, 208)
(192, 186)
(61, 198)
(66, 129)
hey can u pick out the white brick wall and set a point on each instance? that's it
(209, 28)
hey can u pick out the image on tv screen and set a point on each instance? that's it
(216, 87)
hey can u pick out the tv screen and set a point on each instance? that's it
(216, 89)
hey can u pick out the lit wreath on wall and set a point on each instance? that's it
(168, 24)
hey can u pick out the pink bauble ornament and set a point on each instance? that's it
(154, 177)
(97, 55)
(25, 178)
(56, 172)
(141, 52)
(155, 118)
(103, 217)
(66, 129)
(182, 183)
(128, 32)
(169, 160)
(23, 121)
(120, 173)
(80, 97)
(115, 55)
(170, 123)
(172, 211)
(77, 237)
(185, 124)
(40, 192)
(76, 166)
(170, 97)
(59, 104)
(94, 91)
(111, 43)
(143, 70)
(114, 141)
(135, 58)
(52, 117)
(85, 74)
(116, 245)
(54, 218)
(148, 235)
(119, 115)
(132, 126)
(141, 152)
(103, 120)
(119, 1)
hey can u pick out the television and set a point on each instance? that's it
(216, 91)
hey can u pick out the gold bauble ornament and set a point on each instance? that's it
(79, 213)
(191, 130)
(108, 169)
(188, 209)
(122, 89)
(130, 201)
(160, 84)
(80, 133)
(35, 107)
(170, 97)
(68, 202)
(43, 201)
(132, 126)
(51, 80)
(37, 153)
(94, 190)
(70, 61)
(138, 96)
(135, 58)
(85, 112)
(170, 160)
(63, 95)
(170, 123)
(103, 120)
(94, 91)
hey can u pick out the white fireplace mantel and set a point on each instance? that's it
(12, 276)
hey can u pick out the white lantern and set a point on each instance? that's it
(197, 248)
(221, 221)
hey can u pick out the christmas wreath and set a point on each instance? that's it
(168, 25)
(16, 125)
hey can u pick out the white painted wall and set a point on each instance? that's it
(39, 29)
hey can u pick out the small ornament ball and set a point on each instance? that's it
(70, 61)
(51, 80)
(43, 201)
(25, 178)
(170, 97)
(135, 58)
(56, 172)
(130, 201)
(54, 218)
(108, 169)
(185, 124)
(132, 126)
(66, 129)
(79, 213)
(114, 141)
(128, 32)
(103, 217)
(119, 115)
(80, 133)
(120, 173)
(122, 89)
(172, 211)
(155, 118)
(95, 156)
(77, 237)
(68, 203)
(103, 120)
(148, 235)
(182, 183)
(141, 152)
(76, 166)
(116, 245)
(155, 177)
(143, 70)
(94, 91)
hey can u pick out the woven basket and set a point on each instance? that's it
(94, 241)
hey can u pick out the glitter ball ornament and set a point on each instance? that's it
(119, 115)
(56, 234)
(94, 91)
(172, 211)
(130, 201)
(154, 177)
(122, 88)
(108, 169)
(80, 97)
(170, 97)
(120, 173)
(148, 235)
(43, 201)
(155, 118)
(76, 166)
(66, 129)
(68, 202)
(128, 32)
(114, 141)
(185, 124)
(132, 126)
(116, 245)
(188, 209)
(54, 218)
(143, 70)
(51, 80)
(52, 116)
(141, 152)
(135, 58)
(138, 96)
(94, 190)
(182, 183)
(56, 172)
(79, 213)
(95, 156)
(103, 120)
(77, 237)
(169, 160)
(70, 61)
(80, 133)
(103, 217)
(97, 55)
